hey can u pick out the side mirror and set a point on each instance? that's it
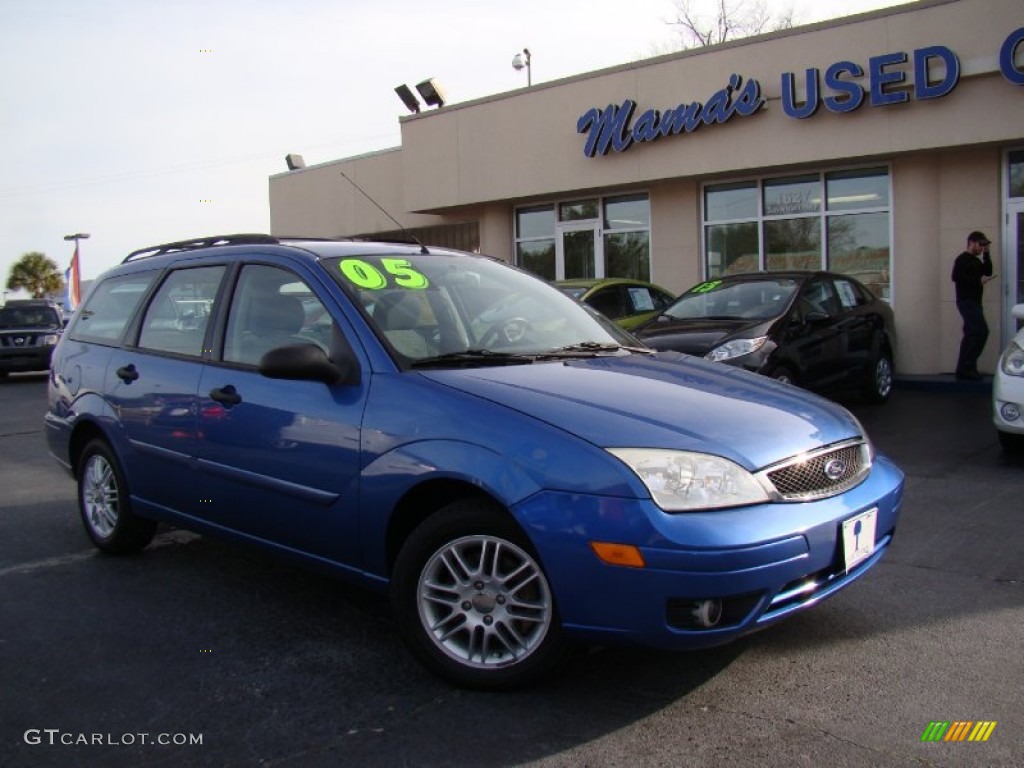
(307, 362)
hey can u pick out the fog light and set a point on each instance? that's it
(1010, 411)
(707, 612)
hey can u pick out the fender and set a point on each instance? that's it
(393, 475)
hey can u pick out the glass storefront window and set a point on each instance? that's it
(627, 254)
(538, 221)
(537, 256)
(792, 244)
(854, 190)
(577, 210)
(732, 248)
(790, 217)
(791, 197)
(633, 212)
(727, 202)
(858, 245)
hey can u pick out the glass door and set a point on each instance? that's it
(578, 252)
(1013, 267)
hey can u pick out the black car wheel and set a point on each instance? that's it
(878, 379)
(1011, 443)
(105, 505)
(472, 601)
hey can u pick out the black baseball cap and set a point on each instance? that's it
(978, 237)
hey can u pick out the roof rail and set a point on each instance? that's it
(202, 242)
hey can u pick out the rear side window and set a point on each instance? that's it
(176, 319)
(110, 308)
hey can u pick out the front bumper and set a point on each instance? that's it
(1008, 390)
(18, 359)
(763, 562)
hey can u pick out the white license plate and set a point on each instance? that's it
(859, 537)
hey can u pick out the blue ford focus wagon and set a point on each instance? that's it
(513, 471)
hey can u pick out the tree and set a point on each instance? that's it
(709, 22)
(37, 274)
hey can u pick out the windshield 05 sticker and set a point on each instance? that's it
(394, 273)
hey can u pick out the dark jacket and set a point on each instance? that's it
(967, 274)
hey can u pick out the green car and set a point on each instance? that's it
(627, 302)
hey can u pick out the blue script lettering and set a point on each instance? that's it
(610, 128)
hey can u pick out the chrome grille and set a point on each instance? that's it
(820, 474)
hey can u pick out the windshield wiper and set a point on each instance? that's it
(592, 349)
(473, 357)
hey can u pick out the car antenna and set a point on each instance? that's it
(406, 232)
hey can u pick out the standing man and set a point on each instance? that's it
(971, 270)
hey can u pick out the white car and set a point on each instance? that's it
(1008, 391)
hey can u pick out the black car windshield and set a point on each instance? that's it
(25, 317)
(735, 299)
(451, 308)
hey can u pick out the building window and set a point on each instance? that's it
(1016, 174)
(594, 237)
(535, 240)
(836, 220)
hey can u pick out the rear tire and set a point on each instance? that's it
(878, 379)
(105, 505)
(472, 601)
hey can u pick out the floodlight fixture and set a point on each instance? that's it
(77, 236)
(408, 98)
(431, 92)
(295, 162)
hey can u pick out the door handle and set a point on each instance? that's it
(226, 396)
(127, 373)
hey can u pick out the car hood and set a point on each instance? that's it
(665, 400)
(696, 336)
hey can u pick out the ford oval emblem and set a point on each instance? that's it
(835, 469)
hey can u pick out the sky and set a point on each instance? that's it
(148, 121)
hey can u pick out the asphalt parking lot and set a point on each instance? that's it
(104, 659)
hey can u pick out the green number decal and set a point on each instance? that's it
(362, 274)
(368, 277)
(405, 275)
(706, 287)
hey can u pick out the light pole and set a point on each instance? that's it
(518, 62)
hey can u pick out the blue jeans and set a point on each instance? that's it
(975, 336)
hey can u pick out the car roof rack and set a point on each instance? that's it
(202, 242)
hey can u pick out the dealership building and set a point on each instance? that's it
(869, 145)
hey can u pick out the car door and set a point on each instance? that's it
(812, 337)
(856, 328)
(280, 458)
(152, 382)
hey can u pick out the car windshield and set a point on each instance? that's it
(576, 293)
(28, 317)
(748, 300)
(463, 309)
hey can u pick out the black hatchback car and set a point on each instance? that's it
(819, 330)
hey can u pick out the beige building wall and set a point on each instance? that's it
(479, 160)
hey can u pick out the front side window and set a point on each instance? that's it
(271, 308)
(176, 318)
(110, 308)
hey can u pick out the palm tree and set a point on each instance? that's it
(37, 274)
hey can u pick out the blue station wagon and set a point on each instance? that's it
(509, 468)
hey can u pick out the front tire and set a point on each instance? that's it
(472, 601)
(105, 506)
(1012, 443)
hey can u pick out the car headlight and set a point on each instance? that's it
(1013, 360)
(736, 348)
(50, 339)
(681, 481)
